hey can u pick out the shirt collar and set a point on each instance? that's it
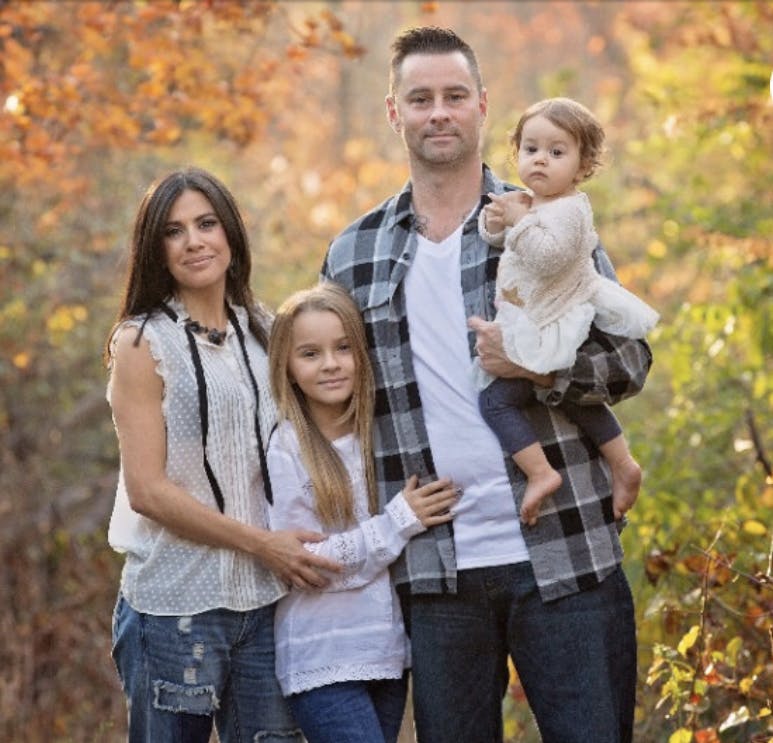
(403, 202)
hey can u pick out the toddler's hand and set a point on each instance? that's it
(508, 207)
(431, 502)
(493, 218)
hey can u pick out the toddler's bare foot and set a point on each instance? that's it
(538, 487)
(626, 481)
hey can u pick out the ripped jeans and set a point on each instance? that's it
(181, 674)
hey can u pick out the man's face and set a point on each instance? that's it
(437, 109)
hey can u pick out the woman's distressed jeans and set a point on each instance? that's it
(182, 673)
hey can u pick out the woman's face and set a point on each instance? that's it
(195, 244)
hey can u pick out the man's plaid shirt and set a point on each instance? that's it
(575, 542)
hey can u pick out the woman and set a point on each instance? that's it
(193, 626)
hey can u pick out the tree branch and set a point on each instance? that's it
(758, 447)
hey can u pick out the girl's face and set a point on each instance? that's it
(548, 159)
(322, 363)
(195, 243)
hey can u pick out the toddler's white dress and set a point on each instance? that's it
(548, 291)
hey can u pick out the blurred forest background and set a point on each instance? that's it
(284, 102)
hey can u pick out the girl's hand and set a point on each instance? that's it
(507, 208)
(431, 502)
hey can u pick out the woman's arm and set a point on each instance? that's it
(136, 400)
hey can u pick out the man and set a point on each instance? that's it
(551, 596)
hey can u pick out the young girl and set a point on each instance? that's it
(341, 653)
(549, 293)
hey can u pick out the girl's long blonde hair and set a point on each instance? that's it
(333, 496)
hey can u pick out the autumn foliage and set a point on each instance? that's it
(284, 101)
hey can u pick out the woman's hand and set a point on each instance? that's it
(283, 553)
(431, 502)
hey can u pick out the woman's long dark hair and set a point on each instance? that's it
(149, 281)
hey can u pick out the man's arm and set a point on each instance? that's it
(608, 368)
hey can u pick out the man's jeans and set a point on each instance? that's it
(352, 711)
(180, 673)
(575, 656)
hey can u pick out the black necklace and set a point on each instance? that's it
(213, 334)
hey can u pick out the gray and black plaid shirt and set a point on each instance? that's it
(575, 543)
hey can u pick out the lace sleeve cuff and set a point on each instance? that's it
(407, 522)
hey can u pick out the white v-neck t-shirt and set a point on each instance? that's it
(486, 527)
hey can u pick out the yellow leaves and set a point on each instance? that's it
(17, 60)
(733, 648)
(64, 318)
(683, 735)
(745, 684)
(165, 131)
(754, 527)
(142, 74)
(21, 360)
(115, 126)
(13, 311)
(671, 229)
(688, 640)
(657, 249)
(348, 45)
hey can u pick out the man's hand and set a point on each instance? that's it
(493, 358)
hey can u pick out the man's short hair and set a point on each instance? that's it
(430, 40)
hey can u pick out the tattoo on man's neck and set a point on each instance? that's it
(421, 224)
